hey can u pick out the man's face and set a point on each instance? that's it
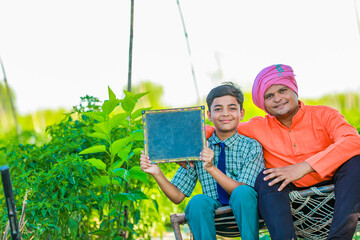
(280, 101)
(226, 114)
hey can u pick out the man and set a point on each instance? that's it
(303, 146)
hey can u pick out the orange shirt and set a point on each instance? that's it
(318, 135)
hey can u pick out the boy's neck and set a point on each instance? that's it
(224, 135)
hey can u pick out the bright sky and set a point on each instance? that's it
(54, 52)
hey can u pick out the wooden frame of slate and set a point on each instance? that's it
(174, 135)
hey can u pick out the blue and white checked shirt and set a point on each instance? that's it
(244, 161)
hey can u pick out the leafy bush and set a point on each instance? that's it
(86, 181)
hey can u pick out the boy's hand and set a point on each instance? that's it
(147, 166)
(207, 156)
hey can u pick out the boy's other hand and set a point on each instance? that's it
(147, 166)
(207, 156)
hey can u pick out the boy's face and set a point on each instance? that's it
(226, 114)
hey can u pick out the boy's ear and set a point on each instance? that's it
(209, 115)
(242, 114)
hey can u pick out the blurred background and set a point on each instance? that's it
(57, 54)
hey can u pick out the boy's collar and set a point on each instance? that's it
(228, 142)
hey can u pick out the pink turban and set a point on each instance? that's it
(274, 74)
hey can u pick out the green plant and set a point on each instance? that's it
(121, 139)
(57, 180)
(86, 181)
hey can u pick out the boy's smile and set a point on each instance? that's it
(226, 114)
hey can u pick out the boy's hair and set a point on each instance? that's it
(226, 88)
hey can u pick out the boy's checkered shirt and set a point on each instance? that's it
(244, 161)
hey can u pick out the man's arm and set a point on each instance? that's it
(174, 194)
(345, 144)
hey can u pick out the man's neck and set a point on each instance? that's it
(286, 119)
(287, 122)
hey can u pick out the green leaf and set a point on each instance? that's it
(117, 164)
(156, 205)
(137, 216)
(113, 212)
(98, 116)
(71, 179)
(132, 196)
(54, 196)
(128, 103)
(43, 212)
(98, 135)
(122, 173)
(101, 181)
(119, 144)
(137, 151)
(109, 106)
(138, 112)
(124, 152)
(119, 119)
(120, 197)
(137, 174)
(120, 238)
(94, 149)
(137, 135)
(73, 225)
(100, 233)
(112, 95)
(138, 195)
(99, 164)
(140, 95)
(102, 128)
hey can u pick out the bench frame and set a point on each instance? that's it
(178, 219)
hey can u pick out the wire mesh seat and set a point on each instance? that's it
(312, 211)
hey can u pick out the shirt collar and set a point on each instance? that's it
(300, 113)
(228, 142)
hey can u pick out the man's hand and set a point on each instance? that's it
(287, 174)
(207, 156)
(147, 166)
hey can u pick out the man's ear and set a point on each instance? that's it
(209, 115)
(242, 114)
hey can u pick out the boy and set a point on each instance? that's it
(240, 157)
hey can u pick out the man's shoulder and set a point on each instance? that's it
(320, 109)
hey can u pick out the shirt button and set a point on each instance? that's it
(294, 145)
(289, 131)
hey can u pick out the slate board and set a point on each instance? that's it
(174, 135)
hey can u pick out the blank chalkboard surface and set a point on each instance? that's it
(174, 135)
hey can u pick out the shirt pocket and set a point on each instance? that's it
(235, 173)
